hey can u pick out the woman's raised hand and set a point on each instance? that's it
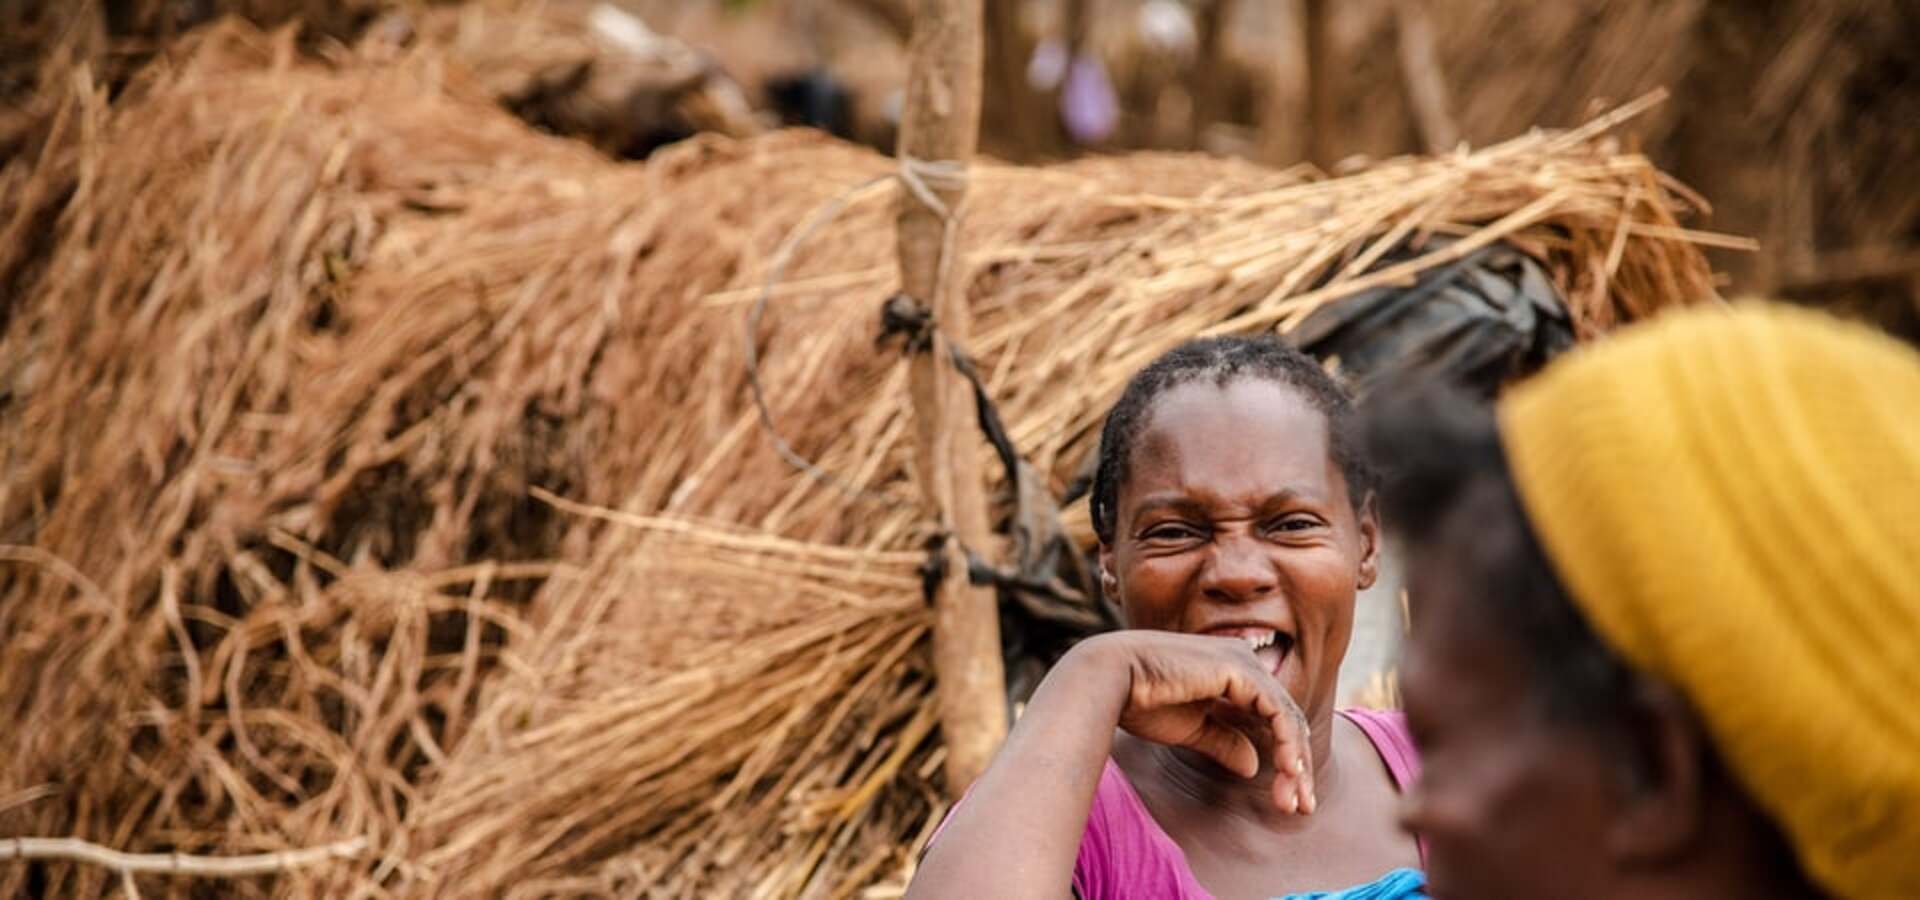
(1028, 812)
(1212, 695)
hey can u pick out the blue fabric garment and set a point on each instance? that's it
(1399, 884)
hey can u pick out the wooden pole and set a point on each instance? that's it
(1420, 72)
(1318, 31)
(1283, 119)
(1024, 118)
(896, 15)
(1207, 82)
(940, 124)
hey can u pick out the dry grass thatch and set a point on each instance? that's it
(375, 466)
(582, 68)
(1795, 117)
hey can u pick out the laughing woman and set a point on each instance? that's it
(1197, 753)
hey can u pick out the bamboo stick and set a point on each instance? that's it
(176, 863)
(941, 125)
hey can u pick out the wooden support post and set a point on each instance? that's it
(1207, 81)
(1021, 116)
(896, 15)
(1283, 118)
(940, 124)
(1321, 96)
(1420, 72)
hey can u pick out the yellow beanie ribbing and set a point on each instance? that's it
(1732, 496)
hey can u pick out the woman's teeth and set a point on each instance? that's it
(1268, 648)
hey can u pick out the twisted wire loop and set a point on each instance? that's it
(920, 179)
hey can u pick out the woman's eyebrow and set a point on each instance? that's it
(1172, 502)
(1288, 496)
(1186, 503)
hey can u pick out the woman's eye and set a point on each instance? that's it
(1171, 533)
(1293, 524)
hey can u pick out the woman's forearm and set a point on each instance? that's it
(1018, 832)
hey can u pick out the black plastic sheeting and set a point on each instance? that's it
(1480, 322)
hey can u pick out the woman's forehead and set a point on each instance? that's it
(1247, 436)
(1458, 636)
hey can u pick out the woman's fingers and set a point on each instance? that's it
(1293, 759)
(1243, 712)
(1253, 689)
(1292, 750)
(1228, 747)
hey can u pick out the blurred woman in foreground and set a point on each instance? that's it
(1666, 616)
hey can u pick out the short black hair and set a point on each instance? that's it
(1222, 360)
(1441, 450)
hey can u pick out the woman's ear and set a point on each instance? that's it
(1109, 579)
(1369, 544)
(1663, 800)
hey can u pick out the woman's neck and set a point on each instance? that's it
(1203, 781)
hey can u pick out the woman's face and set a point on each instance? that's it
(1234, 520)
(1510, 803)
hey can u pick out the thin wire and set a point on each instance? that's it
(918, 177)
(782, 257)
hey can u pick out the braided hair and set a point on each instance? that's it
(1222, 360)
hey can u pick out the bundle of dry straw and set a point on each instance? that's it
(375, 466)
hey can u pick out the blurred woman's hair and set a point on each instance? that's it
(1443, 470)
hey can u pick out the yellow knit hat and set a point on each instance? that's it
(1732, 495)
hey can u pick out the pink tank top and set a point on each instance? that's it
(1124, 852)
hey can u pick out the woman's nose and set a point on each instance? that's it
(1239, 571)
(1419, 814)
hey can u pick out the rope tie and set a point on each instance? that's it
(922, 177)
(911, 321)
